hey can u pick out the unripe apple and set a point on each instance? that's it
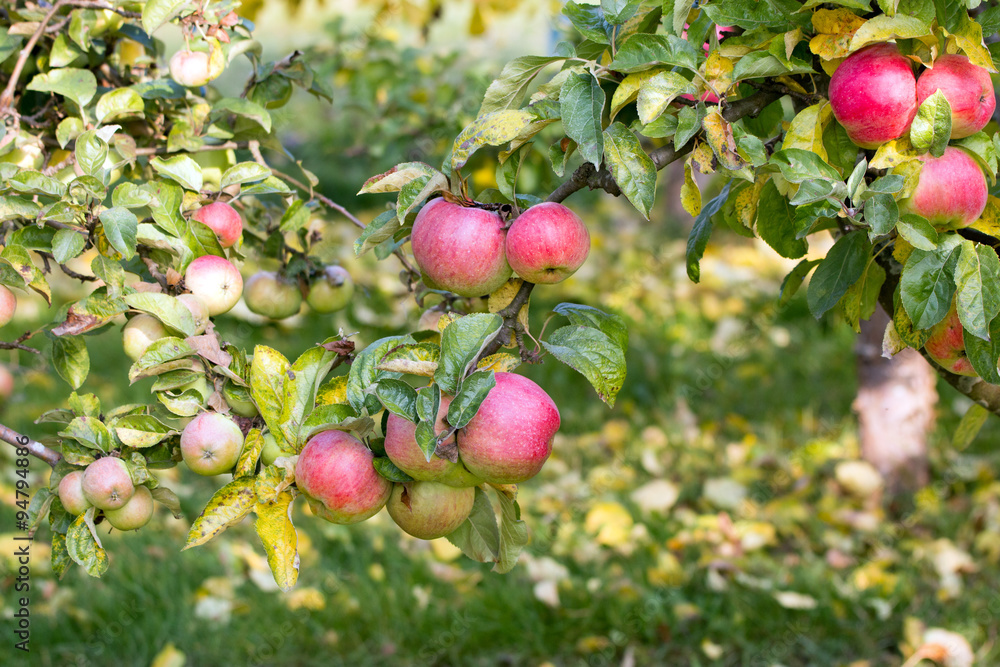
(199, 311)
(460, 249)
(336, 475)
(331, 291)
(239, 400)
(510, 438)
(402, 449)
(211, 444)
(222, 219)
(190, 68)
(8, 305)
(946, 345)
(272, 295)
(6, 383)
(216, 282)
(272, 450)
(873, 94)
(106, 483)
(139, 333)
(135, 514)
(429, 510)
(951, 192)
(71, 493)
(547, 243)
(968, 89)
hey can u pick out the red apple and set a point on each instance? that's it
(946, 345)
(139, 333)
(547, 243)
(135, 514)
(190, 68)
(874, 95)
(106, 483)
(8, 305)
(272, 295)
(402, 449)
(216, 282)
(951, 192)
(6, 383)
(71, 493)
(429, 510)
(510, 438)
(461, 249)
(199, 311)
(222, 219)
(211, 444)
(336, 475)
(332, 291)
(968, 89)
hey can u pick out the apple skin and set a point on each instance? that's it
(547, 243)
(332, 291)
(946, 345)
(135, 514)
(216, 282)
(139, 333)
(271, 295)
(106, 483)
(272, 451)
(71, 493)
(510, 438)
(874, 95)
(190, 68)
(951, 192)
(211, 444)
(428, 510)
(402, 449)
(336, 475)
(199, 311)
(968, 89)
(8, 305)
(461, 249)
(222, 219)
(6, 383)
(239, 400)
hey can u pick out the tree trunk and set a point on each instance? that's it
(895, 407)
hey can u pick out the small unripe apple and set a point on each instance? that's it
(272, 295)
(139, 333)
(216, 282)
(71, 493)
(460, 249)
(402, 449)
(211, 444)
(951, 192)
(106, 483)
(510, 438)
(272, 450)
(199, 311)
(135, 514)
(429, 510)
(946, 345)
(6, 383)
(8, 305)
(331, 291)
(336, 475)
(239, 400)
(873, 94)
(190, 68)
(547, 243)
(222, 219)
(968, 89)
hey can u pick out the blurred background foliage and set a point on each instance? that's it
(718, 515)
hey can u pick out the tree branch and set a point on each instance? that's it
(18, 344)
(162, 150)
(510, 324)
(35, 448)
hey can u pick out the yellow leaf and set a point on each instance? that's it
(989, 222)
(690, 194)
(806, 129)
(902, 250)
(610, 522)
(252, 447)
(883, 28)
(703, 157)
(502, 298)
(719, 134)
(893, 153)
(746, 203)
(719, 71)
(493, 129)
(333, 392)
(169, 656)
(277, 534)
(830, 66)
(792, 84)
(227, 507)
(910, 171)
(420, 359)
(969, 38)
(834, 30)
(499, 362)
(628, 89)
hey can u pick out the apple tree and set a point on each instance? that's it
(103, 155)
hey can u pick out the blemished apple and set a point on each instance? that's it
(402, 449)
(968, 89)
(106, 483)
(271, 295)
(428, 510)
(216, 282)
(951, 192)
(199, 311)
(460, 249)
(139, 333)
(135, 514)
(211, 444)
(873, 94)
(336, 475)
(71, 493)
(6, 383)
(510, 438)
(222, 219)
(331, 291)
(547, 243)
(190, 68)
(946, 345)
(8, 305)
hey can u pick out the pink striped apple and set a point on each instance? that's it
(211, 444)
(946, 345)
(336, 475)
(968, 89)
(216, 282)
(547, 243)
(951, 192)
(402, 449)
(222, 219)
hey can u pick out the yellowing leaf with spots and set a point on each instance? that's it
(893, 153)
(690, 194)
(227, 507)
(499, 363)
(989, 222)
(746, 203)
(493, 129)
(610, 522)
(834, 30)
(969, 38)
(806, 129)
(333, 392)
(628, 89)
(719, 71)
(414, 359)
(719, 133)
(277, 534)
(883, 28)
(252, 447)
(656, 94)
(502, 298)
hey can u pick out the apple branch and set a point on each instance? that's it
(35, 448)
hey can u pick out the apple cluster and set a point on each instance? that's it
(875, 96)
(107, 485)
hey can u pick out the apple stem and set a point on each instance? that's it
(35, 448)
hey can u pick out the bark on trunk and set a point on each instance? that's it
(895, 406)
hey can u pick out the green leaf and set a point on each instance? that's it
(387, 469)
(977, 276)
(417, 191)
(181, 169)
(67, 244)
(120, 226)
(587, 316)
(478, 537)
(689, 121)
(470, 397)
(336, 417)
(917, 231)
(508, 90)
(130, 195)
(244, 172)
(79, 85)
(301, 385)
(513, 532)
(378, 230)
(399, 398)
(70, 359)
(773, 14)
(158, 357)
(984, 354)
(931, 128)
(842, 267)
(364, 375)
(881, 213)
(243, 109)
(701, 231)
(643, 51)
(581, 105)
(157, 12)
(972, 422)
(790, 285)
(91, 152)
(594, 355)
(461, 343)
(35, 183)
(89, 432)
(861, 298)
(118, 104)
(141, 431)
(589, 21)
(619, 11)
(631, 167)
(168, 309)
(928, 282)
(797, 165)
(776, 223)
(493, 129)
